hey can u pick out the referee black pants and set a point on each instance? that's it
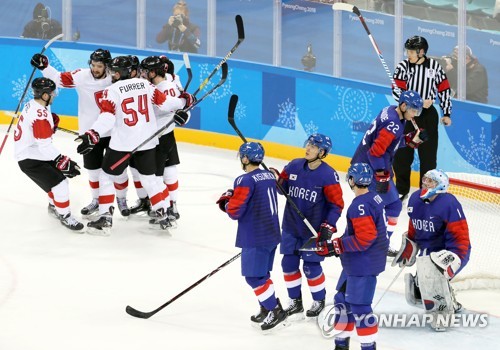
(427, 151)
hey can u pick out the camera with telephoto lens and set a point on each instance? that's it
(178, 20)
(43, 19)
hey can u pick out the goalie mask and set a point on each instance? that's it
(434, 182)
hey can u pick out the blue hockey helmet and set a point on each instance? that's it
(361, 174)
(434, 182)
(253, 151)
(321, 141)
(412, 100)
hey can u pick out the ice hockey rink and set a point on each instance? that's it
(61, 290)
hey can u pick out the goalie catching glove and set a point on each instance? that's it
(416, 138)
(447, 262)
(39, 61)
(407, 253)
(224, 198)
(89, 140)
(68, 167)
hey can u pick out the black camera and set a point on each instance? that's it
(178, 20)
(43, 20)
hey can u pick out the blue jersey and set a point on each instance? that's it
(317, 193)
(365, 239)
(439, 224)
(255, 205)
(381, 140)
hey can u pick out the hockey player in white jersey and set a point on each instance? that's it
(89, 84)
(127, 111)
(154, 69)
(38, 158)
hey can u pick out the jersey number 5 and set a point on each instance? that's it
(142, 108)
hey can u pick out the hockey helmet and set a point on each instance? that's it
(321, 141)
(169, 65)
(154, 64)
(41, 86)
(135, 61)
(412, 100)
(434, 182)
(416, 43)
(361, 174)
(253, 151)
(122, 65)
(100, 55)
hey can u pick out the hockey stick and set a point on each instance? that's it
(389, 286)
(230, 117)
(26, 90)
(140, 314)
(351, 8)
(159, 131)
(68, 131)
(188, 69)
(241, 37)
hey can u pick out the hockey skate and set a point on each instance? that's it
(175, 211)
(52, 211)
(258, 318)
(70, 222)
(316, 307)
(168, 220)
(90, 209)
(391, 253)
(275, 319)
(142, 205)
(122, 206)
(162, 219)
(295, 310)
(342, 343)
(102, 226)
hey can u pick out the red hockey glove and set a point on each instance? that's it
(325, 232)
(224, 198)
(39, 61)
(330, 248)
(416, 138)
(89, 140)
(407, 254)
(190, 99)
(55, 118)
(68, 167)
(382, 182)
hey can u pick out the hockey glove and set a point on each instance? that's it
(224, 198)
(330, 248)
(416, 138)
(181, 117)
(68, 167)
(447, 262)
(39, 61)
(190, 99)
(382, 182)
(326, 232)
(407, 254)
(55, 118)
(89, 140)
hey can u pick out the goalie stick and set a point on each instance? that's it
(160, 131)
(187, 64)
(241, 37)
(26, 90)
(140, 314)
(230, 117)
(351, 8)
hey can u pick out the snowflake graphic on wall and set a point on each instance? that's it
(18, 87)
(311, 128)
(287, 114)
(240, 111)
(480, 154)
(222, 91)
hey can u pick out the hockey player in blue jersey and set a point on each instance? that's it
(438, 229)
(362, 250)
(314, 187)
(254, 203)
(379, 145)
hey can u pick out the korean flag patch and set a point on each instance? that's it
(293, 177)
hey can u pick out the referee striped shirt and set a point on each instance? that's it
(428, 79)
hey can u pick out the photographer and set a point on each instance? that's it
(180, 33)
(42, 26)
(476, 77)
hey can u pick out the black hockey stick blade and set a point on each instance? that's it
(139, 314)
(240, 28)
(187, 64)
(230, 116)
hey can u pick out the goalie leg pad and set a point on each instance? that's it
(435, 291)
(412, 292)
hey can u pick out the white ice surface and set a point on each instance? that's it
(61, 290)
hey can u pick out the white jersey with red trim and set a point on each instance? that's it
(89, 92)
(128, 111)
(33, 133)
(170, 87)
